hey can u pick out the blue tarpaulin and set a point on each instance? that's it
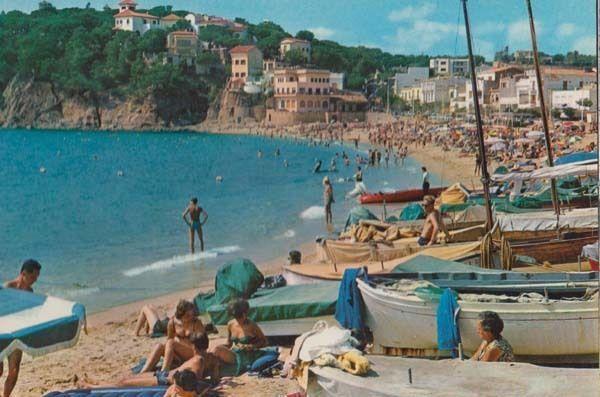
(349, 308)
(575, 157)
(448, 333)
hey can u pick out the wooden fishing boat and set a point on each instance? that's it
(546, 331)
(399, 196)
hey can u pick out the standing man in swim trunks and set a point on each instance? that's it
(328, 200)
(30, 271)
(433, 223)
(425, 181)
(195, 223)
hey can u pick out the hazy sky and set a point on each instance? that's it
(402, 26)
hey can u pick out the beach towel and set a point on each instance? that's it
(448, 334)
(349, 309)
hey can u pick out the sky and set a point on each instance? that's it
(432, 27)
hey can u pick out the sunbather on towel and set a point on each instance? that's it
(202, 364)
(244, 339)
(150, 320)
(178, 345)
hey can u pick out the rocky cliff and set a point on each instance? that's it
(33, 104)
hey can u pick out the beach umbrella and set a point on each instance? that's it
(534, 134)
(497, 147)
(493, 141)
(37, 324)
(524, 140)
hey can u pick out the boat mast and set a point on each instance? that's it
(485, 176)
(540, 86)
(597, 135)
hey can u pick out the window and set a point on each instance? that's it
(242, 74)
(242, 62)
(237, 61)
(581, 84)
(145, 22)
(237, 74)
(293, 90)
(317, 91)
(301, 90)
(310, 91)
(282, 105)
(565, 85)
(309, 104)
(325, 105)
(287, 90)
(325, 90)
(302, 104)
(291, 78)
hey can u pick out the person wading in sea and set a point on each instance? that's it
(195, 223)
(328, 200)
(30, 271)
(425, 181)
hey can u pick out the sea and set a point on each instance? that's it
(102, 211)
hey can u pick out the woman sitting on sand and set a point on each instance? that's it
(150, 320)
(493, 347)
(244, 339)
(178, 344)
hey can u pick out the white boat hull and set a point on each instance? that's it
(544, 333)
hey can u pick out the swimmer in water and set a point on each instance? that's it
(285, 163)
(318, 166)
(195, 223)
(333, 165)
(277, 152)
(259, 154)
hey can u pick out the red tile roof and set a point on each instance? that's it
(242, 49)
(182, 33)
(127, 2)
(129, 13)
(171, 17)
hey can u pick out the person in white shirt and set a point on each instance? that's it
(425, 181)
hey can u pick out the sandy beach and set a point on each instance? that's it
(110, 349)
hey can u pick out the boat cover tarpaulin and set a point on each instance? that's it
(239, 278)
(427, 264)
(546, 220)
(582, 168)
(357, 214)
(389, 377)
(286, 303)
(37, 324)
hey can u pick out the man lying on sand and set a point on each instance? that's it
(202, 364)
(30, 271)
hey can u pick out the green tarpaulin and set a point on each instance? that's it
(412, 212)
(237, 279)
(357, 214)
(285, 303)
(429, 264)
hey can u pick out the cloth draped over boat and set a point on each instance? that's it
(448, 333)
(357, 214)
(427, 264)
(37, 324)
(285, 303)
(239, 278)
(455, 194)
(590, 251)
(329, 340)
(581, 168)
(412, 212)
(580, 218)
(343, 251)
(349, 309)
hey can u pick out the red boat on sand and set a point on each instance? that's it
(399, 196)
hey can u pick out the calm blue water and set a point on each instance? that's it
(105, 239)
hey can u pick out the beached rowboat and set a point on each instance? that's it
(399, 196)
(560, 331)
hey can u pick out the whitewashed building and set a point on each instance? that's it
(128, 19)
(411, 77)
(337, 80)
(437, 90)
(574, 98)
(449, 66)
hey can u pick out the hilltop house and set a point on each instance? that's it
(246, 62)
(129, 19)
(290, 43)
(202, 20)
(182, 47)
(169, 21)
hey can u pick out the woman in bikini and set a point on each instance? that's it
(244, 339)
(178, 345)
(493, 346)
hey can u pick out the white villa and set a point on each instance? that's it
(130, 20)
